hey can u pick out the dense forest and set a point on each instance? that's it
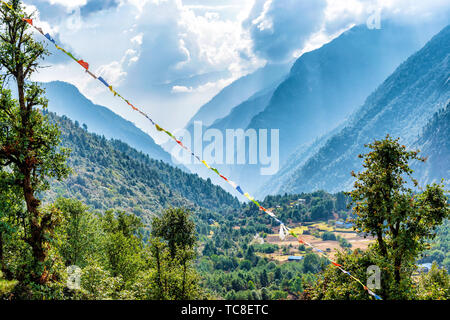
(111, 174)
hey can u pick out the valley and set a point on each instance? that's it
(316, 165)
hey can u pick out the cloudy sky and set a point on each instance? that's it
(171, 56)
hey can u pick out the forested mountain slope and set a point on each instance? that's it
(110, 174)
(326, 85)
(435, 145)
(401, 107)
(66, 99)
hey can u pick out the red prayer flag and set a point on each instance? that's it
(84, 64)
(29, 21)
(336, 264)
(134, 108)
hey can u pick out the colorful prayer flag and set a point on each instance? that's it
(84, 64)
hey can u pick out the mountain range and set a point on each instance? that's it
(402, 106)
(66, 99)
(239, 91)
(320, 92)
(327, 105)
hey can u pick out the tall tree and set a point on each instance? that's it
(29, 148)
(400, 219)
(81, 232)
(176, 227)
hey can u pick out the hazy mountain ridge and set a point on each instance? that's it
(241, 115)
(277, 184)
(401, 106)
(263, 82)
(239, 91)
(66, 99)
(326, 85)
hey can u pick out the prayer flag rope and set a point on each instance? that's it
(284, 231)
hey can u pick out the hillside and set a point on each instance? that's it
(110, 174)
(326, 85)
(322, 89)
(241, 115)
(100, 119)
(435, 144)
(239, 91)
(401, 106)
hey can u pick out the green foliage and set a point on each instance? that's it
(344, 243)
(434, 285)
(328, 236)
(80, 234)
(314, 206)
(29, 144)
(333, 284)
(388, 209)
(98, 283)
(122, 244)
(312, 263)
(6, 286)
(176, 227)
(266, 247)
(439, 247)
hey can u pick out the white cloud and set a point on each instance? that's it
(280, 27)
(207, 87)
(137, 39)
(181, 89)
(153, 50)
(344, 13)
(69, 4)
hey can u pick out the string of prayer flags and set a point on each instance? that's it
(284, 231)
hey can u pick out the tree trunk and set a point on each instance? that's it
(35, 239)
(158, 271)
(183, 292)
(2, 264)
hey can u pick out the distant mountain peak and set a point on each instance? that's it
(401, 106)
(239, 91)
(65, 99)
